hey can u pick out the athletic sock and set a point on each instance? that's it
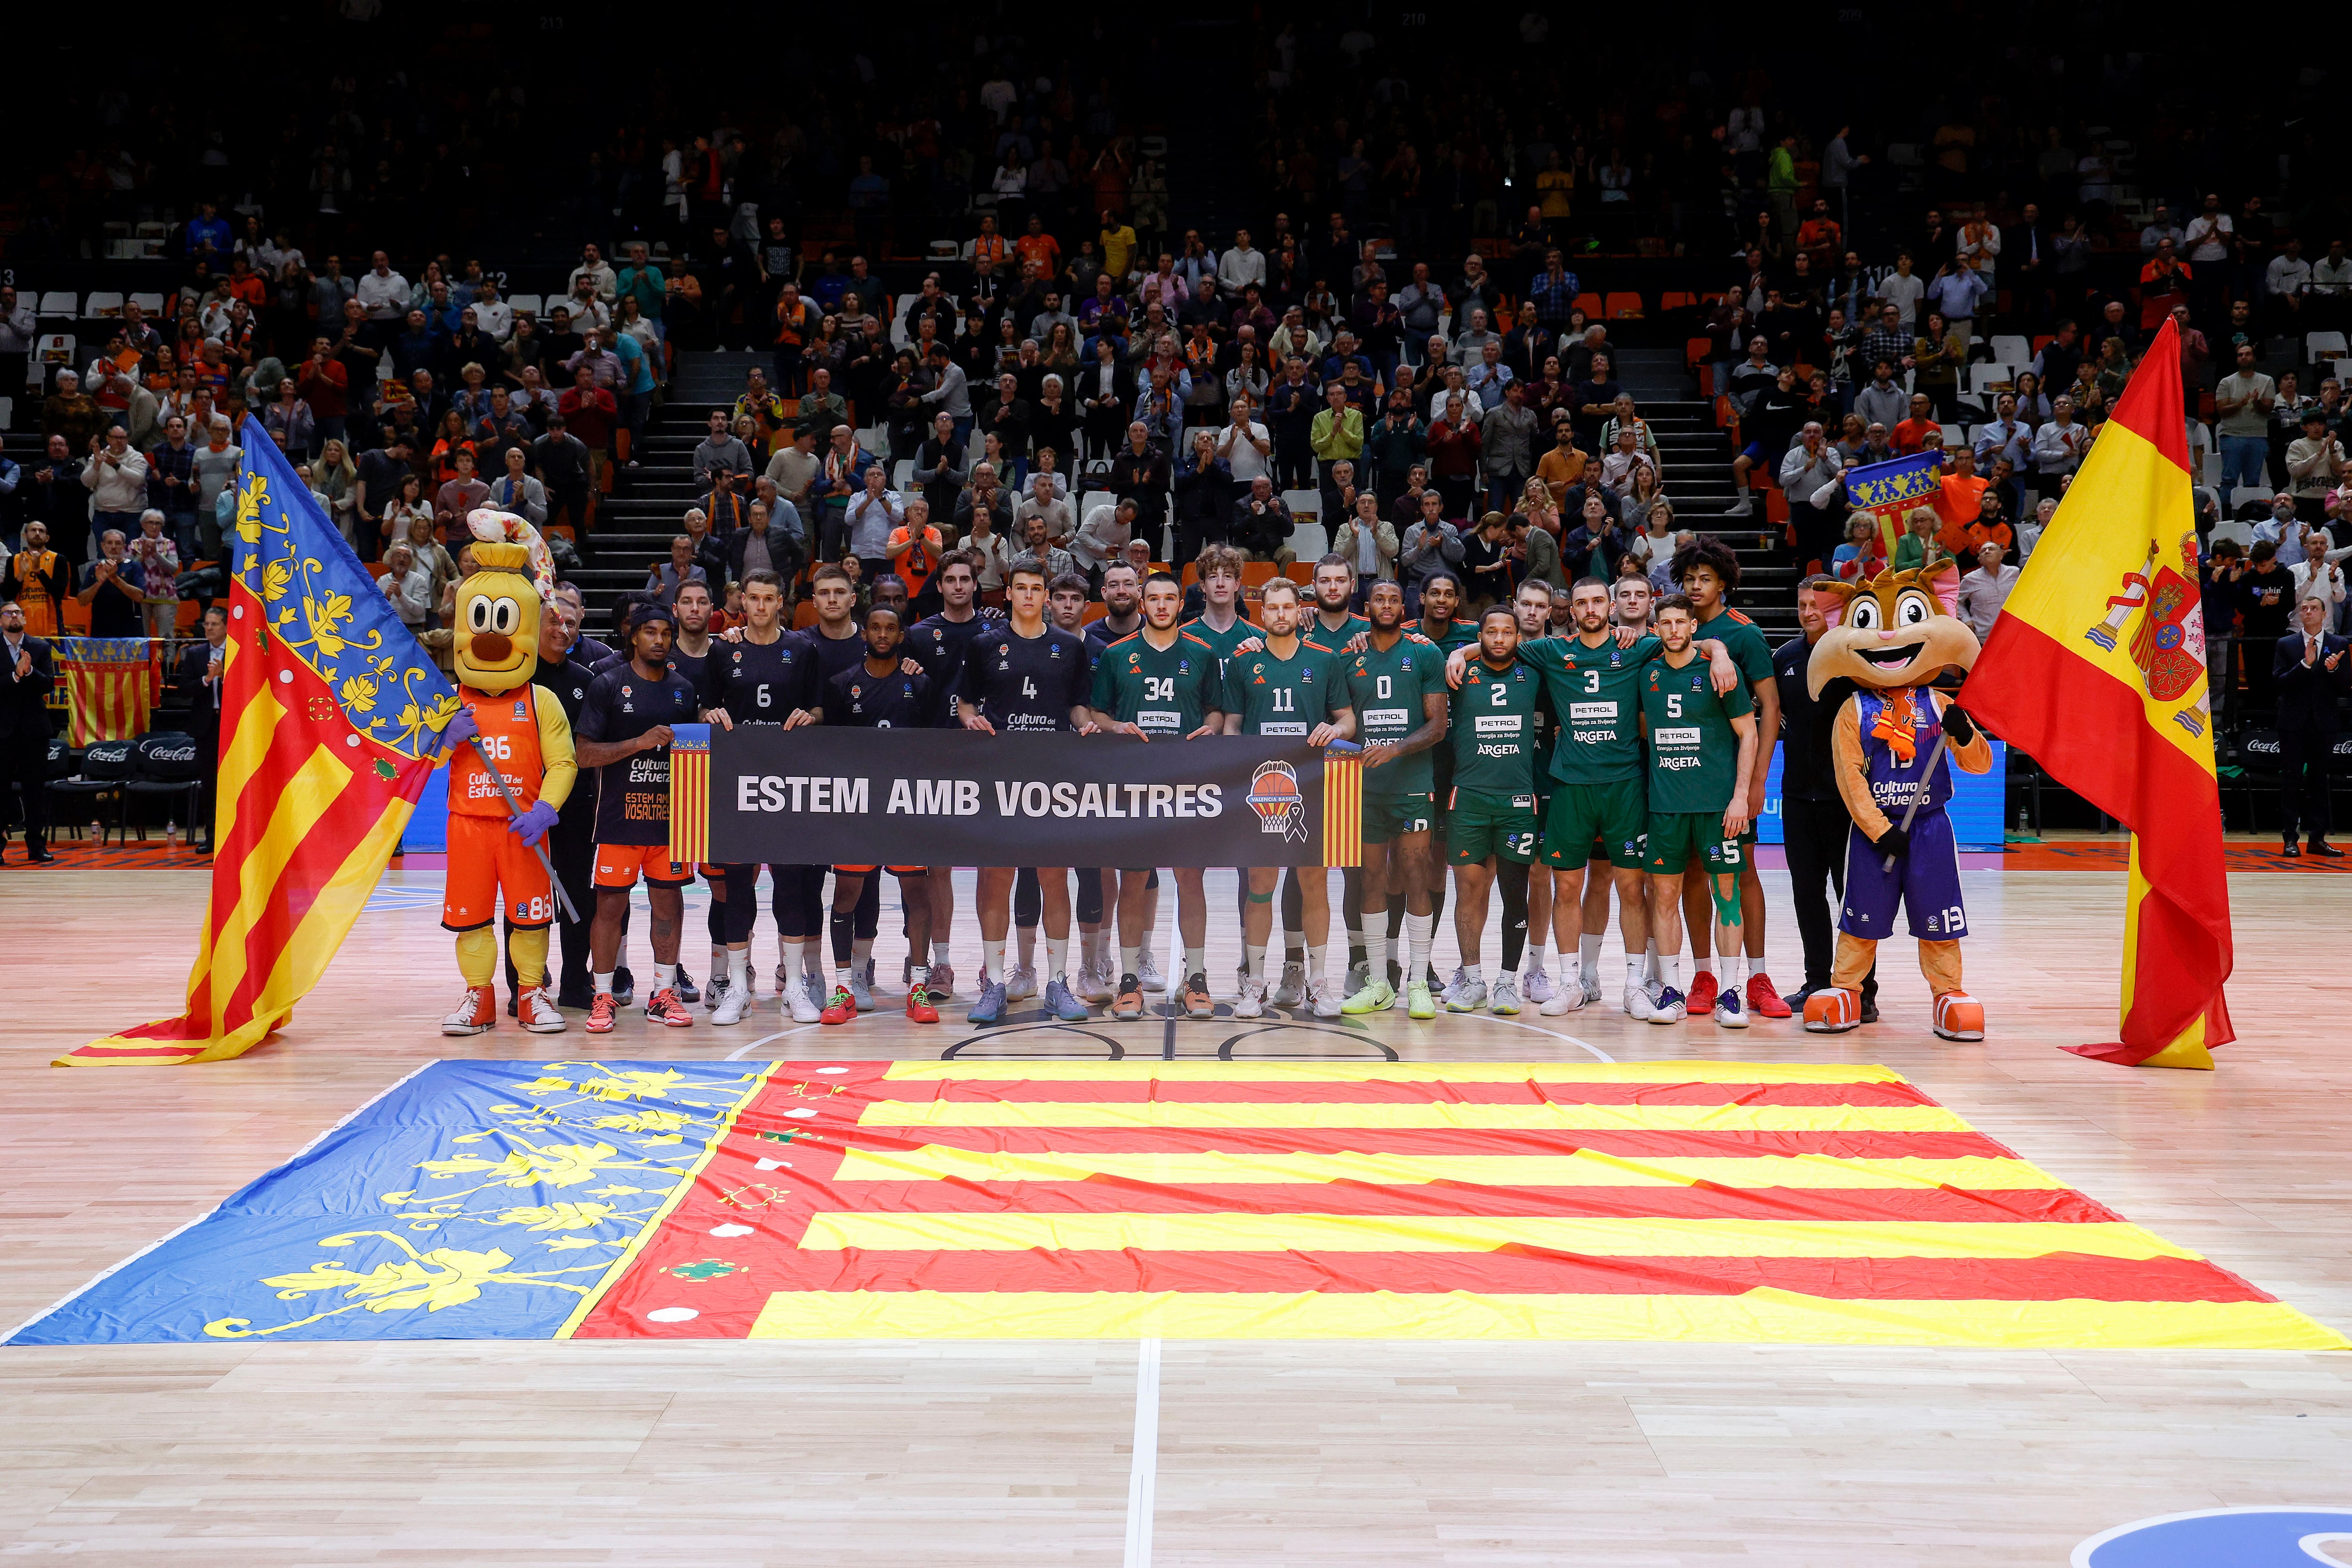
(861, 948)
(1470, 973)
(1294, 947)
(1637, 970)
(1701, 966)
(1026, 944)
(1253, 959)
(1728, 973)
(1335, 957)
(1416, 939)
(603, 984)
(719, 961)
(920, 977)
(1196, 962)
(1588, 953)
(993, 956)
(1314, 964)
(738, 968)
(939, 951)
(1670, 970)
(1057, 957)
(665, 977)
(1357, 946)
(1650, 963)
(1129, 960)
(1376, 956)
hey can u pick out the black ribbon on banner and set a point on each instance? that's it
(828, 795)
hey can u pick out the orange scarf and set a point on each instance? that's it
(1895, 723)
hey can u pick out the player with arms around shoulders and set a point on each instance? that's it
(1289, 687)
(624, 734)
(1161, 683)
(938, 642)
(878, 692)
(763, 674)
(1702, 745)
(1396, 684)
(1024, 677)
(1492, 829)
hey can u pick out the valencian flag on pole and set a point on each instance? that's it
(2097, 669)
(1889, 491)
(331, 712)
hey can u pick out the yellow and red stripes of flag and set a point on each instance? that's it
(309, 812)
(1656, 1200)
(1343, 810)
(109, 684)
(689, 794)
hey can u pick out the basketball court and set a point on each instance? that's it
(758, 1350)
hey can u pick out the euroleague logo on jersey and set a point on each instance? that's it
(1273, 796)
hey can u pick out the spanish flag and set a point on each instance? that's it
(330, 716)
(2097, 669)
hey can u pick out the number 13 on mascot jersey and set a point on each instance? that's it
(495, 867)
(1891, 635)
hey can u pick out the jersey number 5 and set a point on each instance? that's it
(1674, 705)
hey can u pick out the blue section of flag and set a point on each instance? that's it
(2219, 1538)
(324, 608)
(474, 1200)
(1896, 483)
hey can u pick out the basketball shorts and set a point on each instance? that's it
(492, 872)
(1925, 881)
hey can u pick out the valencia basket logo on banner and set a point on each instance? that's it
(1273, 796)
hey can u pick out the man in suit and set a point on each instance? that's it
(25, 727)
(2310, 671)
(196, 680)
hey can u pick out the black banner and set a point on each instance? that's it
(823, 796)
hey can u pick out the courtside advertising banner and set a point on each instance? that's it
(826, 796)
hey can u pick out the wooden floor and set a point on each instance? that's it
(1629, 1456)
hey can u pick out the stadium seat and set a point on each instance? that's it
(106, 767)
(102, 305)
(165, 767)
(524, 304)
(2315, 346)
(1989, 378)
(902, 474)
(1096, 610)
(1676, 302)
(151, 303)
(1624, 306)
(1695, 349)
(804, 615)
(2010, 348)
(67, 304)
(2241, 494)
(1308, 504)
(1592, 307)
(876, 440)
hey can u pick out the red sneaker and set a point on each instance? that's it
(918, 1006)
(841, 1009)
(478, 1011)
(1700, 1003)
(601, 1010)
(1764, 997)
(664, 1007)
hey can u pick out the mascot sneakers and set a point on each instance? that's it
(478, 1012)
(1959, 1016)
(1832, 1011)
(538, 1012)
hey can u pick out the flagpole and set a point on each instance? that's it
(514, 809)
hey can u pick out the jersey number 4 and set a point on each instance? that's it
(1028, 687)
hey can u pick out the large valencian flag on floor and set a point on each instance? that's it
(331, 712)
(2096, 670)
(1720, 1201)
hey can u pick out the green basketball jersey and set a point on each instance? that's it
(1496, 730)
(1222, 643)
(1284, 696)
(1465, 633)
(1311, 628)
(1386, 691)
(1595, 700)
(1743, 642)
(1161, 691)
(1693, 750)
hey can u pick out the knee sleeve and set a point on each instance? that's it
(1351, 896)
(1293, 915)
(845, 930)
(1153, 881)
(869, 905)
(477, 954)
(1028, 897)
(716, 915)
(784, 893)
(741, 911)
(1089, 907)
(528, 948)
(812, 904)
(1512, 879)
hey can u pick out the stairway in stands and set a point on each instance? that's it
(1697, 457)
(635, 523)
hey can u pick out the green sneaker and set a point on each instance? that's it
(1375, 997)
(1417, 1002)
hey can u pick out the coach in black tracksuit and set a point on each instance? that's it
(1813, 818)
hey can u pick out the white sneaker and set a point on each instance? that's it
(800, 1002)
(1537, 984)
(1637, 1000)
(1567, 999)
(866, 1005)
(1292, 988)
(1146, 973)
(1453, 988)
(536, 1012)
(1021, 982)
(861, 986)
(1324, 997)
(1251, 1002)
(1743, 508)
(1090, 987)
(715, 991)
(1464, 995)
(1359, 975)
(1503, 998)
(1590, 979)
(734, 1002)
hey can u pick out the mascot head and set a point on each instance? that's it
(1894, 629)
(496, 638)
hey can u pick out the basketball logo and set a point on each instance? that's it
(1273, 796)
